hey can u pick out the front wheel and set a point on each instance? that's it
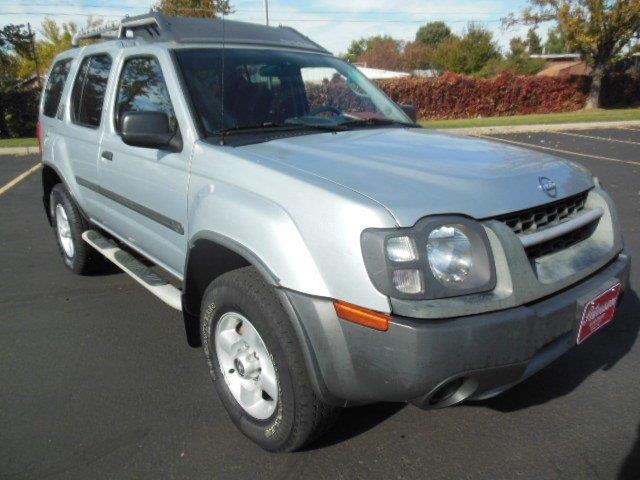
(257, 365)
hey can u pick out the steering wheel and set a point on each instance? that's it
(325, 109)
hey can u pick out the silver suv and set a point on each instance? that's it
(324, 249)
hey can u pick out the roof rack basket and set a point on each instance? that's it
(156, 27)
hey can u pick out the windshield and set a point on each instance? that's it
(276, 88)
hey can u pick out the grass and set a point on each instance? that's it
(18, 142)
(546, 119)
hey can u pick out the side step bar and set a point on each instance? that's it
(135, 269)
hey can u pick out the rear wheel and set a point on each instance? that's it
(68, 225)
(257, 365)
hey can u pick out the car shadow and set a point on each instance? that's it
(602, 351)
(630, 469)
(356, 421)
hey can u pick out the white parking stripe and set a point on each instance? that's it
(19, 179)
(597, 157)
(570, 134)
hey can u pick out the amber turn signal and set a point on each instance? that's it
(362, 316)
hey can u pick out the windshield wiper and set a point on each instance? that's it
(316, 126)
(280, 128)
(253, 128)
(366, 122)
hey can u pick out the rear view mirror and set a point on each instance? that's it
(410, 111)
(150, 130)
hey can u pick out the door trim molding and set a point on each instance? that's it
(131, 205)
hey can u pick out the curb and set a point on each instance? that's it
(474, 131)
(20, 151)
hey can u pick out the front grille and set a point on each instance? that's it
(549, 215)
(563, 241)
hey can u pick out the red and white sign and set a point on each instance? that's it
(598, 312)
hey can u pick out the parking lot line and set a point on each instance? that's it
(571, 134)
(558, 150)
(19, 179)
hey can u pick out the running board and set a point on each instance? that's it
(135, 269)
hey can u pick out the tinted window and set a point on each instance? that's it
(142, 89)
(55, 85)
(89, 89)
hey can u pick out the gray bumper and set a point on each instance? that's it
(485, 354)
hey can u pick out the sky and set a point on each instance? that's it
(332, 23)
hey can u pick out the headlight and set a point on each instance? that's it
(439, 257)
(450, 254)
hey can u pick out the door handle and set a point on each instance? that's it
(107, 155)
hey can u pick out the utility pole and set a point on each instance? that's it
(33, 52)
(266, 12)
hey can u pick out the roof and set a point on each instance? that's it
(557, 56)
(569, 67)
(378, 74)
(157, 27)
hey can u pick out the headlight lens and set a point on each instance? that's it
(407, 281)
(450, 254)
(401, 249)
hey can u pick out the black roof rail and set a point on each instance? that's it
(157, 27)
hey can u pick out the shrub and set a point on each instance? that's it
(18, 114)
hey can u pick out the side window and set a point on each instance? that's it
(142, 89)
(55, 85)
(89, 90)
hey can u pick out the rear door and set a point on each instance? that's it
(147, 187)
(51, 110)
(83, 131)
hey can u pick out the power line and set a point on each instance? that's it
(257, 9)
(276, 19)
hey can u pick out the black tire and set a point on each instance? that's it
(300, 416)
(85, 259)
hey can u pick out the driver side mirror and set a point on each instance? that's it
(150, 130)
(410, 111)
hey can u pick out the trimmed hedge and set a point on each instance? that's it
(452, 96)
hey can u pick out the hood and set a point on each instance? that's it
(415, 172)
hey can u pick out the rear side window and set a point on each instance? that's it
(89, 90)
(55, 85)
(142, 89)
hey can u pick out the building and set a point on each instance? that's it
(558, 64)
(571, 64)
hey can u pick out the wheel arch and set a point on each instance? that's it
(50, 178)
(211, 255)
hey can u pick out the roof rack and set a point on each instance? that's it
(156, 27)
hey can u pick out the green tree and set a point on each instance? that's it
(517, 47)
(467, 54)
(433, 33)
(14, 43)
(534, 42)
(355, 51)
(556, 41)
(195, 8)
(597, 29)
(56, 38)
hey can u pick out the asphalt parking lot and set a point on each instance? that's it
(97, 381)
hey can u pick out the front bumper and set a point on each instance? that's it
(485, 354)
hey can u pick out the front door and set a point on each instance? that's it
(145, 188)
